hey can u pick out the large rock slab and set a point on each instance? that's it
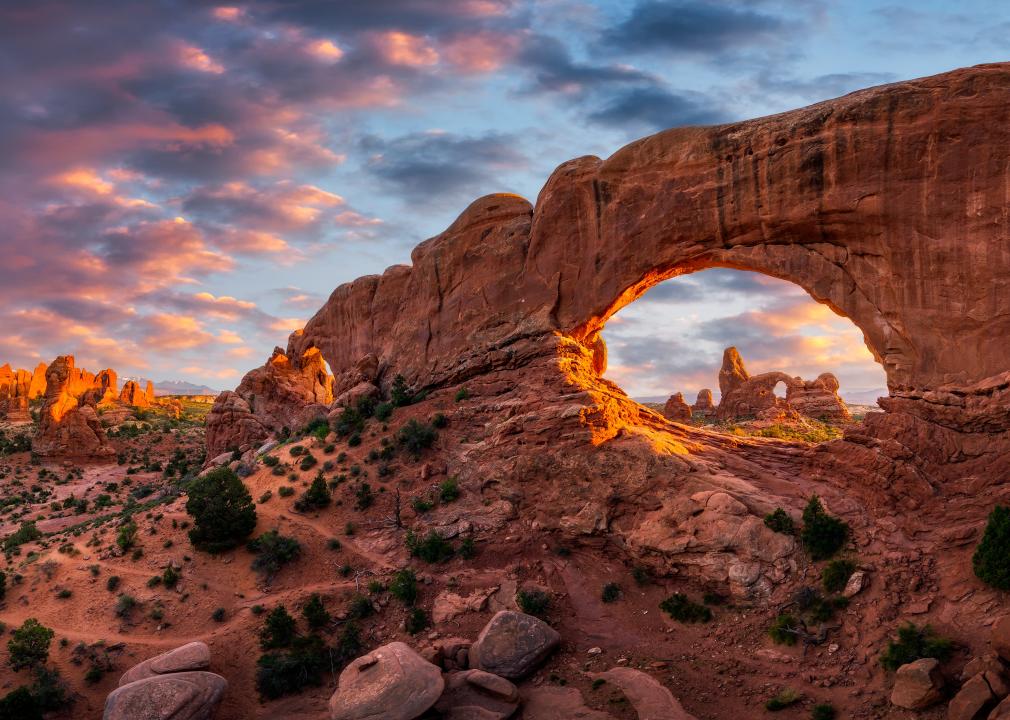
(178, 696)
(192, 656)
(650, 699)
(917, 685)
(390, 683)
(971, 698)
(554, 703)
(513, 644)
(477, 695)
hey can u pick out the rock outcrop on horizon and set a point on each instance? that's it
(66, 427)
(677, 409)
(703, 406)
(747, 396)
(133, 395)
(18, 388)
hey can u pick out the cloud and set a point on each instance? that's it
(441, 164)
(655, 108)
(694, 27)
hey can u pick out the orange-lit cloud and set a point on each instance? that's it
(325, 50)
(401, 48)
(481, 52)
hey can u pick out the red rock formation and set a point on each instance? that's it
(677, 409)
(17, 389)
(284, 393)
(703, 405)
(887, 205)
(132, 395)
(104, 391)
(149, 392)
(818, 399)
(67, 428)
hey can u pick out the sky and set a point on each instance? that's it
(183, 183)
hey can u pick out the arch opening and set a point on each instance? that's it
(741, 348)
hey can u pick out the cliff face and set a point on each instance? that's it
(67, 427)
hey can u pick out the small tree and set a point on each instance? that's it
(823, 535)
(222, 509)
(29, 646)
(780, 522)
(273, 551)
(991, 560)
(914, 643)
(400, 394)
(278, 630)
(416, 437)
(315, 613)
(317, 496)
(404, 586)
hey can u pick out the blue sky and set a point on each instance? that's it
(186, 182)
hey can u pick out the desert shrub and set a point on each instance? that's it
(403, 586)
(315, 613)
(222, 509)
(417, 620)
(823, 711)
(400, 394)
(218, 615)
(349, 422)
(265, 497)
(468, 549)
(273, 551)
(20, 704)
(780, 521)
(27, 532)
(462, 394)
(416, 437)
(780, 631)
(991, 560)
(914, 643)
(432, 548)
(784, 699)
(279, 629)
(94, 675)
(439, 421)
(333, 544)
(421, 504)
(318, 428)
(65, 594)
(363, 497)
(125, 605)
(296, 450)
(49, 689)
(3, 584)
(170, 577)
(308, 462)
(359, 608)
(271, 460)
(641, 575)
(285, 491)
(29, 645)
(836, 573)
(611, 592)
(383, 411)
(366, 406)
(823, 535)
(126, 535)
(448, 490)
(682, 609)
(283, 673)
(815, 606)
(534, 602)
(317, 496)
(112, 583)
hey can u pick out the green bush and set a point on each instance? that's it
(283, 673)
(462, 394)
(29, 645)
(170, 577)
(383, 411)
(611, 592)
(349, 422)
(273, 551)
(222, 509)
(914, 643)
(780, 522)
(836, 573)
(404, 586)
(439, 421)
(279, 629)
(448, 490)
(991, 560)
(218, 615)
(401, 394)
(285, 491)
(27, 532)
(125, 605)
(823, 535)
(784, 699)
(823, 711)
(271, 460)
(534, 602)
(780, 630)
(416, 437)
(417, 620)
(359, 608)
(363, 497)
(126, 536)
(682, 609)
(20, 704)
(317, 496)
(432, 548)
(468, 548)
(315, 613)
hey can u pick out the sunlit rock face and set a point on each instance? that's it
(887, 205)
(68, 428)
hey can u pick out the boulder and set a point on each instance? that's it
(973, 696)
(917, 685)
(477, 695)
(1001, 711)
(178, 696)
(513, 644)
(703, 406)
(1000, 637)
(390, 683)
(855, 584)
(191, 656)
(677, 409)
(549, 702)
(650, 699)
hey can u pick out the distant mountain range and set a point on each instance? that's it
(179, 387)
(866, 396)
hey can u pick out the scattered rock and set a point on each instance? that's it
(390, 683)
(477, 695)
(855, 584)
(1001, 637)
(513, 644)
(970, 699)
(917, 685)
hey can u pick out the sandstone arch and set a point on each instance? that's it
(889, 205)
